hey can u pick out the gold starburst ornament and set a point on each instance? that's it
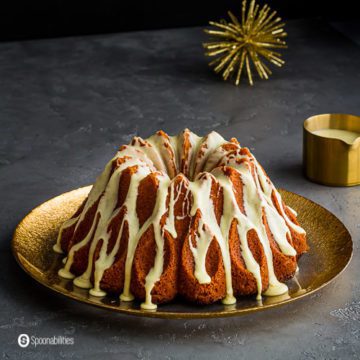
(248, 43)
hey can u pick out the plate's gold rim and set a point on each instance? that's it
(171, 314)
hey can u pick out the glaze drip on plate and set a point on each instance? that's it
(188, 215)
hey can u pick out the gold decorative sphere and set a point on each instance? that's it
(242, 45)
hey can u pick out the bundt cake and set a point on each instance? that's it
(182, 215)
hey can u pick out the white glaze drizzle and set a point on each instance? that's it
(164, 149)
(208, 229)
(205, 155)
(211, 141)
(96, 191)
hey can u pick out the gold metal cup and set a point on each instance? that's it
(331, 161)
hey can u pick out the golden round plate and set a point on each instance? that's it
(330, 252)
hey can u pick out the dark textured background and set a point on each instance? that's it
(20, 19)
(67, 104)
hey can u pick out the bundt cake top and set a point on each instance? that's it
(191, 164)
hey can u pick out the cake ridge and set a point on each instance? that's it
(184, 167)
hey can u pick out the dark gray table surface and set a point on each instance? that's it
(67, 104)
